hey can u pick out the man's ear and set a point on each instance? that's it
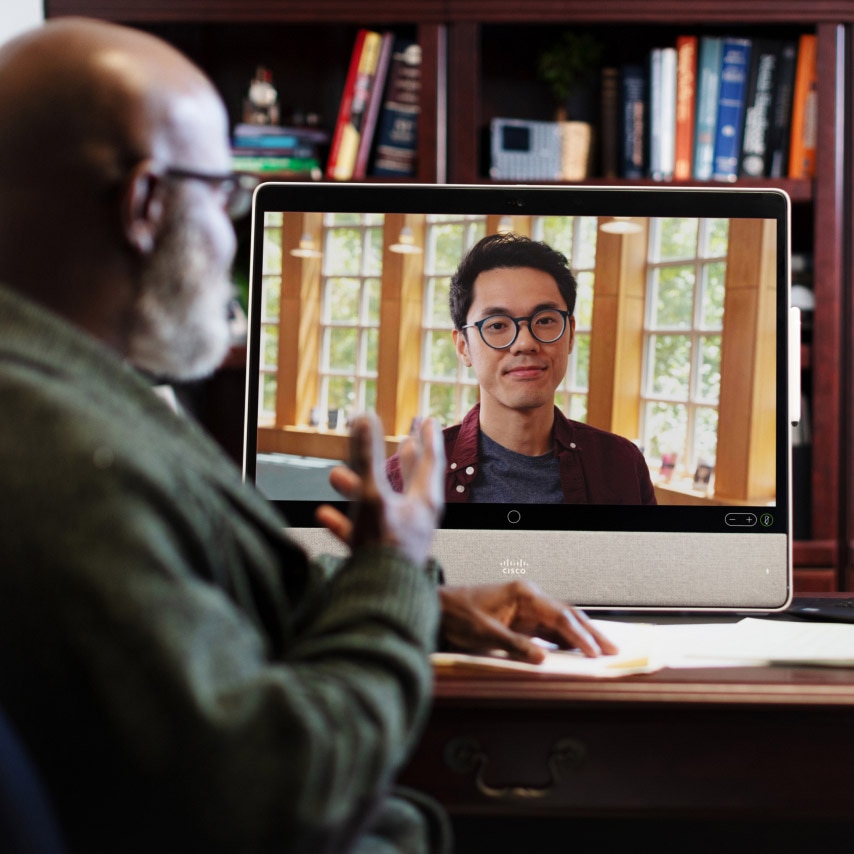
(462, 346)
(142, 207)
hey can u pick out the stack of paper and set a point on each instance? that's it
(647, 647)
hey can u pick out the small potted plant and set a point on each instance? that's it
(569, 69)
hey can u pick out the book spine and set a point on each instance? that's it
(654, 123)
(708, 88)
(686, 102)
(397, 131)
(633, 120)
(267, 142)
(275, 163)
(667, 116)
(731, 108)
(609, 165)
(761, 83)
(259, 134)
(360, 169)
(345, 142)
(298, 150)
(779, 132)
(804, 115)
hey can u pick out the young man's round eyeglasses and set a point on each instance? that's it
(500, 331)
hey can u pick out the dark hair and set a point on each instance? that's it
(498, 251)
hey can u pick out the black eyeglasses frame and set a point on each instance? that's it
(237, 186)
(517, 321)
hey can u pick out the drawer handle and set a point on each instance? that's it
(465, 755)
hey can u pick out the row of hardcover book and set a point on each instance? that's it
(713, 108)
(376, 130)
(265, 149)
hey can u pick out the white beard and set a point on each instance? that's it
(180, 324)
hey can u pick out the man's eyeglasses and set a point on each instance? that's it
(499, 331)
(236, 188)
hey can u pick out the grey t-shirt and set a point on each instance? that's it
(507, 477)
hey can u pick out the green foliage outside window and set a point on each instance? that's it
(352, 267)
(687, 275)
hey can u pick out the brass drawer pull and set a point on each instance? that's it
(465, 755)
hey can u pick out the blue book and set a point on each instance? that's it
(706, 120)
(633, 122)
(276, 136)
(735, 66)
(397, 128)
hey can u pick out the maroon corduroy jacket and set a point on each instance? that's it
(596, 467)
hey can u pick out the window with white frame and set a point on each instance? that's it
(680, 389)
(271, 272)
(448, 388)
(350, 313)
(575, 237)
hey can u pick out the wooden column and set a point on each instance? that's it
(399, 361)
(616, 337)
(746, 459)
(299, 323)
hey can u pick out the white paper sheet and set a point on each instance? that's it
(774, 642)
(647, 647)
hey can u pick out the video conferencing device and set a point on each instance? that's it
(685, 344)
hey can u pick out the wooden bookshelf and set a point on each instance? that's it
(461, 92)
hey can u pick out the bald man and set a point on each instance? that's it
(186, 678)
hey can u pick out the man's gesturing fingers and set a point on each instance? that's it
(379, 514)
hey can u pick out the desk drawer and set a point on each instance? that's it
(645, 761)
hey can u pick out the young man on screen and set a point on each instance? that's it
(184, 676)
(512, 301)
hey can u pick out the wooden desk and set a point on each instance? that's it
(763, 753)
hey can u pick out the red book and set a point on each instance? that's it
(686, 99)
(354, 103)
(804, 115)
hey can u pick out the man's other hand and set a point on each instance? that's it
(507, 616)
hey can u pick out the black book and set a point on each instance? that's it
(633, 121)
(763, 85)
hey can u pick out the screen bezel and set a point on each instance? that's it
(724, 202)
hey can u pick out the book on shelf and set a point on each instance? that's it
(779, 131)
(372, 111)
(686, 103)
(706, 111)
(273, 151)
(276, 137)
(609, 145)
(763, 81)
(662, 113)
(274, 148)
(802, 143)
(352, 111)
(309, 166)
(735, 62)
(633, 120)
(396, 149)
